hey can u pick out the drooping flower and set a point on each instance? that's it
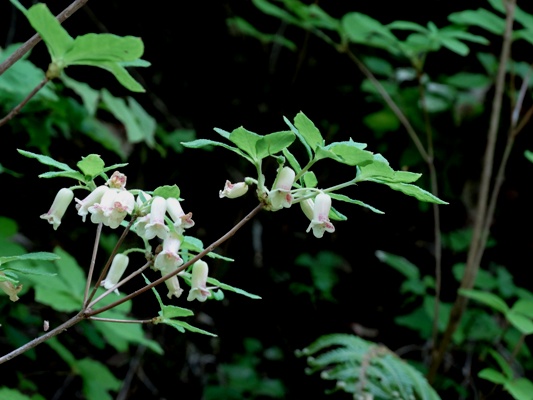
(307, 208)
(280, 196)
(233, 190)
(181, 220)
(169, 259)
(320, 221)
(93, 198)
(118, 266)
(199, 289)
(113, 207)
(157, 226)
(9, 288)
(59, 206)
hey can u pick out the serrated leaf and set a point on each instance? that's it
(351, 153)
(181, 326)
(46, 160)
(486, 298)
(40, 255)
(63, 174)
(411, 190)
(91, 166)
(174, 312)
(273, 143)
(300, 137)
(56, 38)
(308, 131)
(199, 143)
(400, 264)
(245, 140)
(167, 191)
(342, 197)
(221, 285)
(103, 47)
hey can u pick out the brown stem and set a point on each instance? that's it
(30, 43)
(93, 262)
(17, 109)
(122, 321)
(210, 248)
(481, 215)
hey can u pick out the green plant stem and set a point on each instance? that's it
(229, 234)
(30, 43)
(93, 262)
(472, 267)
(17, 109)
(54, 332)
(305, 169)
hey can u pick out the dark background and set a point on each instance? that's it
(208, 77)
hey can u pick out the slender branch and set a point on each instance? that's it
(392, 104)
(17, 109)
(123, 321)
(54, 332)
(30, 43)
(210, 248)
(481, 215)
(91, 266)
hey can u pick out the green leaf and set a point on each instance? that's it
(40, 255)
(63, 174)
(91, 166)
(520, 389)
(310, 180)
(520, 322)
(114, 167)
(46, 160)
(174, 312)
(293, 162)
(308, 131)
(121, 74)
(274, 143)
(411, 190)
(382, 121)
(167, 191)
(221, 285)
(361, 28)
(88, 95)
(529, 155)
(486, 298)
(480, 17)
(246, 141)
(342, 197)
(239, 25)
(400, 264)
(407, 26)
(351, 153)
(181, 326)
(97, 379)
(468, 80)
(492, 375)
(199, 143)
(12, 394)
(300, 137)
(56, 38)
(275, 11)
(524, 307)
(103, 47)
(139, 125)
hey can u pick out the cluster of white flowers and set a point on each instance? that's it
(282, 196)
(109, 204)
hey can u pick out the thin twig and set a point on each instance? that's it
(91, 266)
(17, 109)
(210, 248)
(123, 321)
(481, 215)
(30, 43)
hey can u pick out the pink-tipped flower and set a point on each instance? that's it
(307, 208)
(199, 289)
(320, 221)
(280, 196)
(181, 220)
(157, 226)
(233, 190)
(173, 286)
(59, 206)
(113, 207)
(118, 266)
(169, 259)
(93, 198)
(117, 181)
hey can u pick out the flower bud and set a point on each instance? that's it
(118, 266)
(199, 290)
(59, 206)
(233, 190)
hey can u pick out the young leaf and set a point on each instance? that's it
(103, 47)
(299, 136)
(120, 73)
(400, 264)
(37, 256)
(199, 143)
(167, 191)
(342, 197)
(273, 143)
(221, 285)
(308, 130)
(486, 298)
(91, 166)
(245, 140)
(351, 153)
(181, 326)
(46, 160)
(411, 190)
